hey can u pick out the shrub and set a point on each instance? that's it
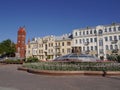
(32, 59)
(7, 61)
(114, 58)
(118, 58)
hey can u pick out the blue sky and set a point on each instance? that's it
(54, 17)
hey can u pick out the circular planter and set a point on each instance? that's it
(61, 73)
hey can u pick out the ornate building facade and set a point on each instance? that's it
(21, 46)
(100, 41)
(49, 47)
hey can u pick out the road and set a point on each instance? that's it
(12, 79)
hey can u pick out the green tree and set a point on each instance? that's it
(7, 48)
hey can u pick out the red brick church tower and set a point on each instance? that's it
(20, 46)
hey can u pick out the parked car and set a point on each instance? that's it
(77, 57)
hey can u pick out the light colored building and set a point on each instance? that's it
(49, 47)
(100, 41)
(31, 48)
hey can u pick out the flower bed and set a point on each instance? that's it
(74, 66)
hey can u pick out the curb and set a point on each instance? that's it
(68, 73)
(22, 68)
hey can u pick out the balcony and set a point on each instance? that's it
(115, 51)
(114, 41)
(86, 43)
(57, 46)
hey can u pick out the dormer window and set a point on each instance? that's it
(114, 29)
(100, 32)
(75, 33)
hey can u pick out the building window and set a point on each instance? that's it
(29, 46)
(75, 33)
(90, 31)
(96, 55)
(116, 46)
(87, 40)
(110, 29)
(58, 44)
(95, 39)
(118, 28)
(95, 47)
(115, 37)
(107, 47)
(105, 29)
(68, 43)
(114, 29)
(91, 40)
(83, 48)
(51, 44)
(101, 51)
(87, 47)
(51, 50)
(100, 42)
(111, 47)
(79, 40)
(110, 38)
(95, 32)
(79, 33)
(62, 50)
(87, 32)
(76, 41)
(91, 47)
(83, 32)
(100, 32)
(83, 40)
(106, 38)
(46, 47)
(39, 51)
(62, 43)
(68, 50)
(29, 52)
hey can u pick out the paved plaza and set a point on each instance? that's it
(12, 79)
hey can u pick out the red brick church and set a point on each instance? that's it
(21, 46)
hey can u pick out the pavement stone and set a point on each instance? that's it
(13, 79)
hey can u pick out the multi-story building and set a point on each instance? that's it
(100, 41)
(49, 47)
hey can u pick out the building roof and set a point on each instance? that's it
(22, 30)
